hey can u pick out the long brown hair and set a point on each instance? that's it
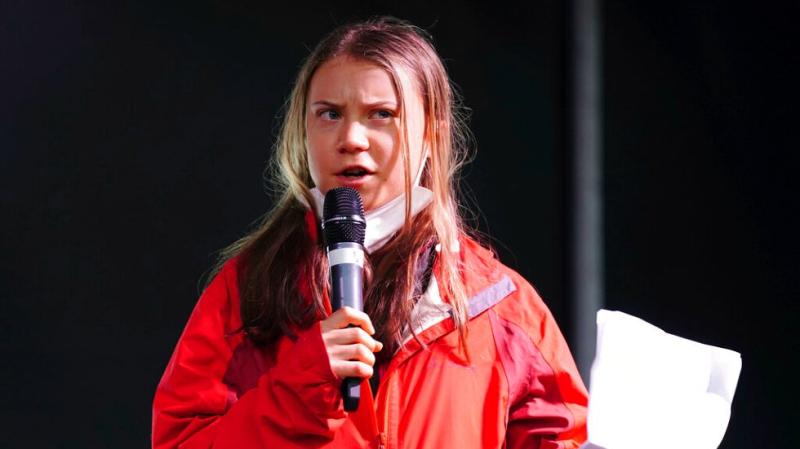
(282, 272)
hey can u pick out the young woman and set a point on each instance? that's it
(460, 350)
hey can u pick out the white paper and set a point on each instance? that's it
(653, 390)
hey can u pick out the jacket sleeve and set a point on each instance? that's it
(295, 402)
(547, 398)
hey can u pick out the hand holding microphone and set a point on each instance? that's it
(346, 333)
(347, 337)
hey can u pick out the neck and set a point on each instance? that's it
(383, 222)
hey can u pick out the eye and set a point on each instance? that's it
(383, 114)
(329, 114)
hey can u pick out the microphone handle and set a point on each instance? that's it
(347, 283)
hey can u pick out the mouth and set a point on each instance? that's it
(355, 172)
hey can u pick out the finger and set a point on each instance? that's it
(350, 335)
(347, 316)
(357, 352)
(345, 368)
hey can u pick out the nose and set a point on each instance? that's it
(354, 137)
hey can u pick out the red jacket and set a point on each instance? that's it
(520, 389)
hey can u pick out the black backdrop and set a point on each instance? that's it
(134, 136)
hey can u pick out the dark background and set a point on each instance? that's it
(133, 138)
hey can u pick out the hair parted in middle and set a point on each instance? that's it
(278, 264)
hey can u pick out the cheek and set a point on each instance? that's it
(390, 158)
(315, 164)
(314, 152)
(312, 168)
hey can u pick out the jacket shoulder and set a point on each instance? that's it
(486, 270)
(525, 306)
(219, 302)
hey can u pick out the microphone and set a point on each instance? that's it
(344, 227)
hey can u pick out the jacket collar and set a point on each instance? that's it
(486, 286)
(485, 283)
(478, 304)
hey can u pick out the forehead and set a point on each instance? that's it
(348, 78)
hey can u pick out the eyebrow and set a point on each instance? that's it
(325, 103)
(382, 103)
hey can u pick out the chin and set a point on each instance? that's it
(369, 203)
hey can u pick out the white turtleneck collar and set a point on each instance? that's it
(385, 221)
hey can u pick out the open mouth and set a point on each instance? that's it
(354, 172)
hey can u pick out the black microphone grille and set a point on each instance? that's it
(343, 216)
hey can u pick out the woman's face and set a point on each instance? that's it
(353, 129)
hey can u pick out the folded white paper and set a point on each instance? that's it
(653, 390)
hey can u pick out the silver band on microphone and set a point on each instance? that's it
(346, 255)
(345, 218)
